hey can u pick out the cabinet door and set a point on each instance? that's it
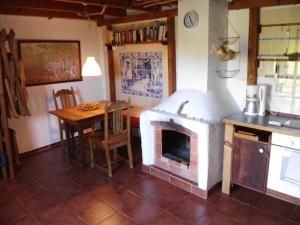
(250, 164)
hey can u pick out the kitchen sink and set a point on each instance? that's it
(292, 124)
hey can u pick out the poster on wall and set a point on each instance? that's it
(141, 74)
(50, 61)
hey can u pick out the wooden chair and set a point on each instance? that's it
(115, 135)
(67, 99)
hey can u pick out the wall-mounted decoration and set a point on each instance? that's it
(50, 61)
(141, 73)
(227, 52)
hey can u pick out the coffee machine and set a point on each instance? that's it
(256, 100)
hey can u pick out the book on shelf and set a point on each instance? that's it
(154, 33)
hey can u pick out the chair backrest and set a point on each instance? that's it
(116, 113)
(66, 96)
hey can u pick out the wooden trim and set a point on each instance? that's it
(227, 160)
(273, 129)
(279, 25)
(112, 76)
(53, 7)
(43, 13)
(246, 4)
(254, 21)
(283, 196)
(38, 150)
(171, 55)
(134, 18)
(277, 60)
(107, 3)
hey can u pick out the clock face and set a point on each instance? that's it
(191, 19)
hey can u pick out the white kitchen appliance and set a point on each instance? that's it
(252, 101)
(256, 100)
(263, 90)
(284, 166)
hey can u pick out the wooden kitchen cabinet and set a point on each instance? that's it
(250, 160)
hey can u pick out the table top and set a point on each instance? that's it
(74, 114)
(262, 123)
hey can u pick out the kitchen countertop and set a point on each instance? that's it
(262, 123)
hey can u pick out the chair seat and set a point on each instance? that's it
(113, 142)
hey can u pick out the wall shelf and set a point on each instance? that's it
(277, 59)
(111, 46)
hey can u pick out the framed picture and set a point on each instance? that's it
(50, 61)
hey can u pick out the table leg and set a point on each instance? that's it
(81, 146)
(69, 147)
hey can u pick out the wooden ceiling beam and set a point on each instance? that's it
(42, 13)
(147, 16)
(59, 7)
(246, 4)
(107, 3)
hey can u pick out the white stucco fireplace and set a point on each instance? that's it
(200, 120)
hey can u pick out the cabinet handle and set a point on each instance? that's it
(261, 151)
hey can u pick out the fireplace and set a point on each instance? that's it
(176, 146)
(182, 140)
(172, 142)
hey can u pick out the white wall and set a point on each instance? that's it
(192, 47)
(237, 85)
(196, 63)
(41, 128)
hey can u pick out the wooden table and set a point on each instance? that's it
(80, 120)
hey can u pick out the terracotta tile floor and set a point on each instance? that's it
(51, 189)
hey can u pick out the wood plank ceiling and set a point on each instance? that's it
(98, 10)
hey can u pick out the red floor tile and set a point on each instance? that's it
(295, 215)
(125, 177)
(11, 211)
(116, 219)
(18, 181)
(6, 197)
(276, 207)
(121, 200)
(40, 201)
(189, 210)
(237, 211)
(61, 186)
(246, 196)
(213, 218)
(27, 220)
(99, 190)
(49, 214)
(53, 190)
(79, 201)
(165, 219)
(67, 219)
(145, 186)
(28, 191)
(262, 218)
(143, 212)
(96, 213)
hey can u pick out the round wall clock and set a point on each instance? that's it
(191, 19)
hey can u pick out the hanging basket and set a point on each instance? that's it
(227, 73)
(228, 54)
(229, 40)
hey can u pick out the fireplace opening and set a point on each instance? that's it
(176, 146)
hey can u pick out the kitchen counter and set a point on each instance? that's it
(247, 162)
(262, 123)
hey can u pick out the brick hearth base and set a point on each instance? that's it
(175, 180)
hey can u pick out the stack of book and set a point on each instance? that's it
(156, 33)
